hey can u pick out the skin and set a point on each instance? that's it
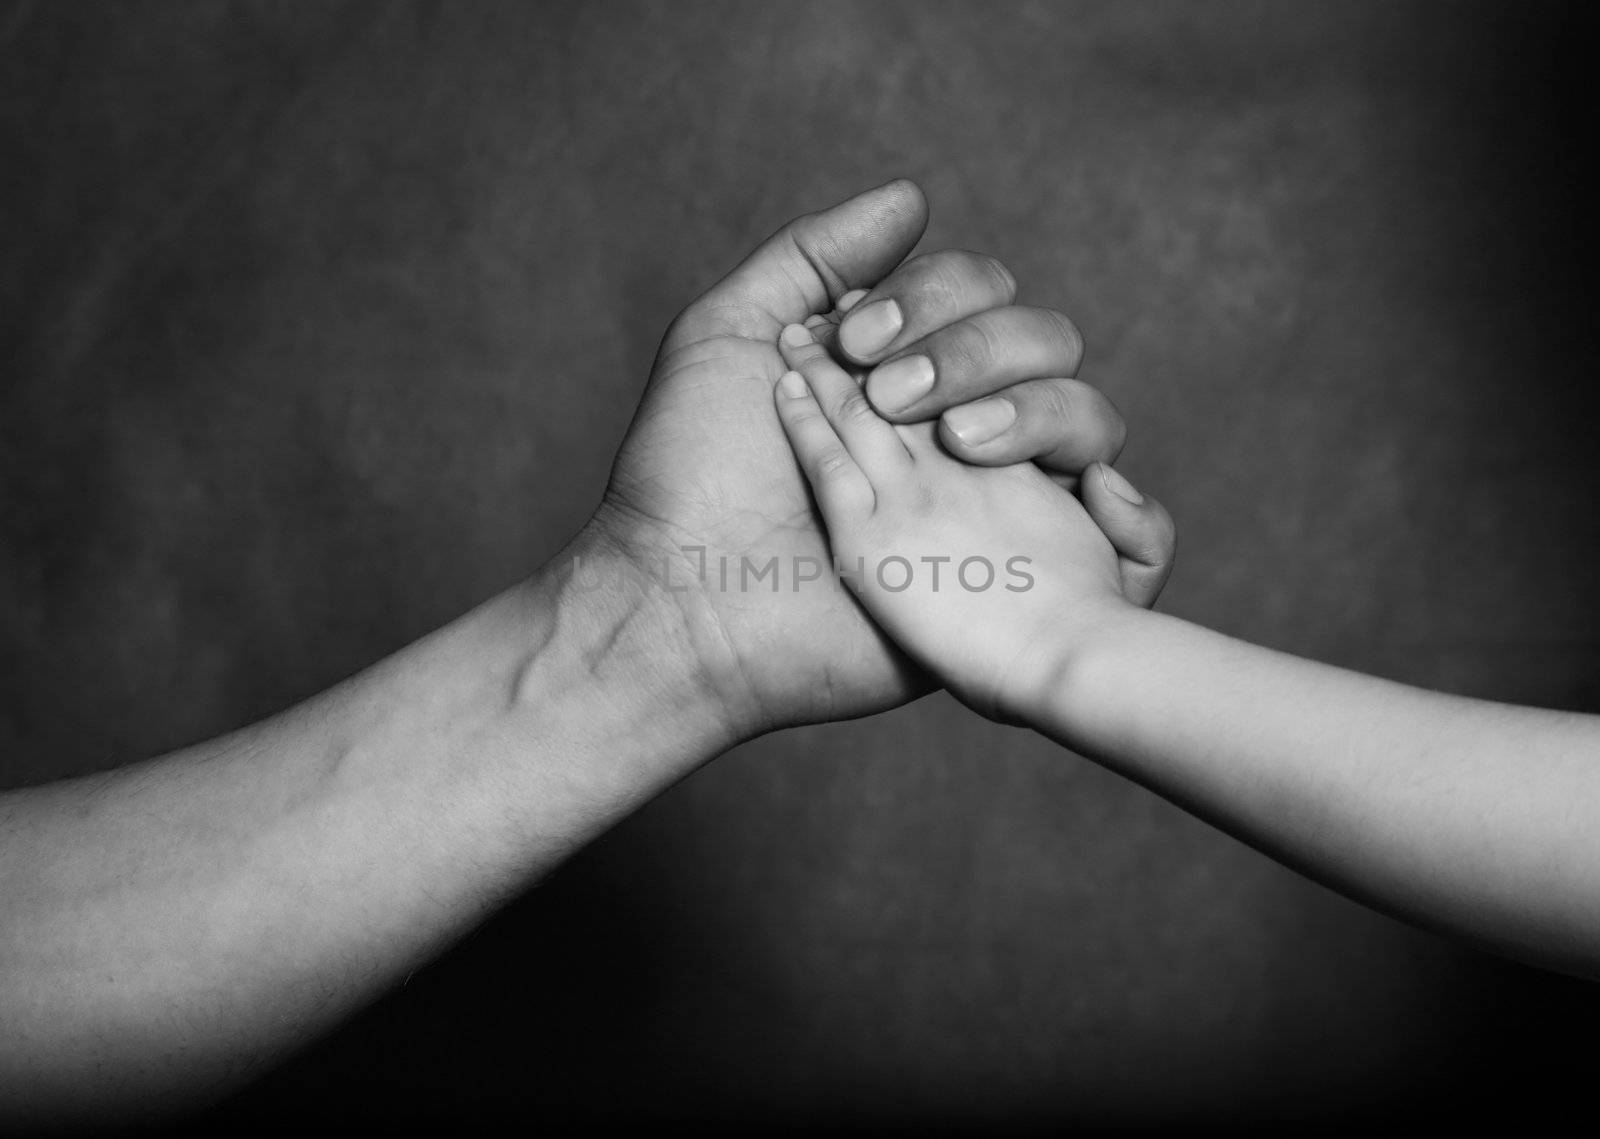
(173, 926)
(1470, 817)
(706, 420)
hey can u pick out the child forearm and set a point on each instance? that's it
(1477, 818)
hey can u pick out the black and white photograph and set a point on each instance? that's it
(868, 567)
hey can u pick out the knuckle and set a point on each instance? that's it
(975, 278)
(970, 348)
(806, 415)
(813, 240)
(1056, 403)
(1117, 431)
(1066, 334)
(857, 412)
(832, 462)
(1097, 417)
(936, 282)
(1153, 540)
(1166, 532)
(951, 282)
(990, 342)
(811, 357)
(852, 409)
(1146, 548)
(956, 280)
(1004, 280)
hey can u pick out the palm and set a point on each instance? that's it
(706, 462)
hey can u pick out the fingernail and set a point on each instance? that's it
(815, 321)
(850, 300)
(1118, 485)
(793, 385)
(871, 329)
(796, 336)
(900, 383)
(975, 423)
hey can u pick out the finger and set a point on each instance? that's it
(825, 325)
(1063, 425)
(840, 487)
(1138, 528)
(850, 300)
(805, 265)
(924, 294)
(972, 358)
(871, 440)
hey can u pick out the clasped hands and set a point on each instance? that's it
(959, 436)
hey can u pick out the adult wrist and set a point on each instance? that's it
(627, 625)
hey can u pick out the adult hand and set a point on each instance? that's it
(705, 467)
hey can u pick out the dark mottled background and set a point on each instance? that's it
(321, 322)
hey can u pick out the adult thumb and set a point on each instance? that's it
(817, 258)
(1138, 528)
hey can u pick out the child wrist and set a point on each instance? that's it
(1057, 694)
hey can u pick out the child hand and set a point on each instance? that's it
(987, 576)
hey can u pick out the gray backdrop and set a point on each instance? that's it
(321, 323)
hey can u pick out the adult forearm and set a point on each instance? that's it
(1454, 813)
(175, 923)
